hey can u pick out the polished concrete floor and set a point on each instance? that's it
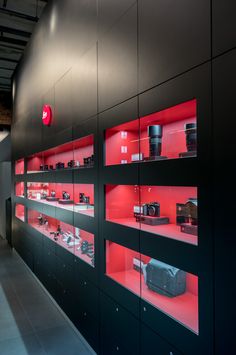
(30, 323)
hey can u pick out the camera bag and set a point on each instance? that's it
(165, 279)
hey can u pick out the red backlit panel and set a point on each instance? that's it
(20, 211)
(169, 211)
(77, 198)
(75, 154)
(19, 167)
(167, 288)
(19, 189)
(167, 134)
(77, 241)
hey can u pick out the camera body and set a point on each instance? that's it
(88, 161)
(151, 209)
(71, 164)
(83, 198)
(60, 165)
(187, 217)
(65, 195)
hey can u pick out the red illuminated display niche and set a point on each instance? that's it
(73, 155)
(20, 211)
(19, 167)
(76, 240)
(169, 211)
(19, 189)
(171, 290)
(77, 198)
(167, 134)
(47, 115)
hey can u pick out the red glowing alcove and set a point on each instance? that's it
(19, 189)
(131, 138)
(121, 199)
(72, 152)
(19, 167)
(122, 268)
(49, 225)
(20, 211)
(41, 191)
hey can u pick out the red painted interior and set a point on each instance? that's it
(19, 189)
(20, 211)
(73, 189)
(19, 167)
(120, 199)
(53, 223)
(183, 308)
(115, 140)
(172, 119)
(76, 150)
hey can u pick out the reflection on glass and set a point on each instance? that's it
(167, 288)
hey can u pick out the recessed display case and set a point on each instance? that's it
(73, 155)
(19, 167)
(165, 287)
(168, 211)
(20, 211)
(19, 189)
(77, 198)
(167, 134)
(76, 240)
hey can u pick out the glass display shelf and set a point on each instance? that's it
(75, 240)
(69, 156)
(77, 198)
(168, 211)
(19, 167)
(19, 189)
(167, 288)
(20, 211)
(167, 134)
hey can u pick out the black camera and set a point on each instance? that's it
(89, 160)
(60, 165)
(151, 209)
(186, 216)
(65, 195)
(71, 164)
(45, 167)
(52, 197)
(83, 198)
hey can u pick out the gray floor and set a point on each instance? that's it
(30, 323)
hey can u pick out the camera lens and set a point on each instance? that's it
(191, 136)
(155, 140)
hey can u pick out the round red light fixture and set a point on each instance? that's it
(47, 115)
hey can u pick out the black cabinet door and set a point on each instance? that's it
(223, 25)
(224, 88)
(151, 343)
(174, 36)
(120, 328)
(117, 61)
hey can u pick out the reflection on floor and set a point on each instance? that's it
(30, 323)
